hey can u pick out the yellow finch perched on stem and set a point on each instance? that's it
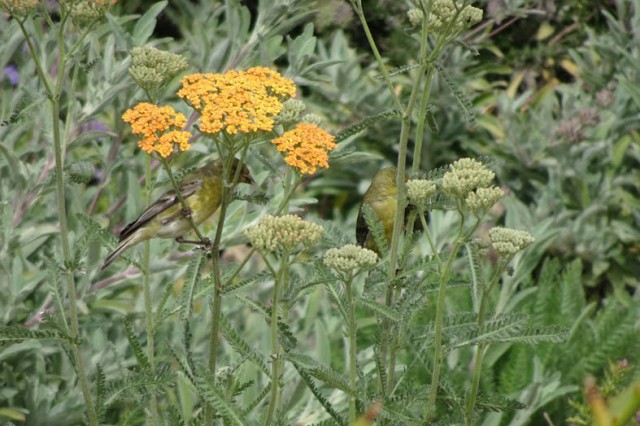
(381, 199)
(165, 218)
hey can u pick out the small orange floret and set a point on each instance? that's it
(237, 101)
(307, 147)
(160, 128)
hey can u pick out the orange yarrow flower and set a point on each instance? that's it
(237, 101)
(159, 127)
(307, 147)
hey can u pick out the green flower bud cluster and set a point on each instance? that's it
(415, 17)
(446, 14)
(508, 242)
(18, 8)
(81, 172)
(482, 246)
(291, 110)
(312, 119)
(419, 191)
(482, 199)
(86, 12)
(349, 257)
(152, 68)
(283, 233)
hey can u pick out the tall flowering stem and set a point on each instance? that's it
(348, 261)
(284, 237)
(148, 302)
(507, 242)
(445, 19)
(54, 91)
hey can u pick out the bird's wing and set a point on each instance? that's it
(362, 229)
(166, 200)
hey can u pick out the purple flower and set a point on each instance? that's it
(94, 126)
(11, 72)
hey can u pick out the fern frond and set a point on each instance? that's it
(101, 381)
(378, 309)
(16, 333)
(475, 269)
(377, 230)
(399, 70)
(241, 346)
(515, 333)
(338, 299)
(316, 392)
(255, 198)
(256, 307)
(461, 97)
(214, 395)
(496, 403)
(191, 280)
(319, 371)
(136, 347)
(132, 383)
(256, 401)
(364, 124)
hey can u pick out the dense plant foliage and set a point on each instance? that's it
(493, 276)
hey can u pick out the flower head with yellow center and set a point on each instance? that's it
(160, 128)
(307, 147)
(237, 101)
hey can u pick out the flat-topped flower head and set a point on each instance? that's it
(85, 12)
(307, 147)
(448, 15)
(466, 175)
(286, 234)
(482, 199)
(349, 257)
(237, 101)
(419, 191)
(152, 68)
(18, 8)
(160, 128)
(508, 242)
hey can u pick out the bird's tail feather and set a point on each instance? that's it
(118, 251)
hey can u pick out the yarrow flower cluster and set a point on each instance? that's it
(464, 176)
(159, 127)
(87, 11)
(415, 17)
(349, 257)
(18, 8)
(448, 15)
(419, 191)
(306, 146)
(291, 110)
(482, 199)
(152, 68)
(237, 101)
(283, 233)
(508, 242)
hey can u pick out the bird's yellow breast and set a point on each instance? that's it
(203, 203)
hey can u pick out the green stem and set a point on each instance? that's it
(216, 308)
(477, 367)
(274, 402)
(148, 303)
(437, 357)
(352, 328)
(68, 259)
(54, 98)
(357, 5)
